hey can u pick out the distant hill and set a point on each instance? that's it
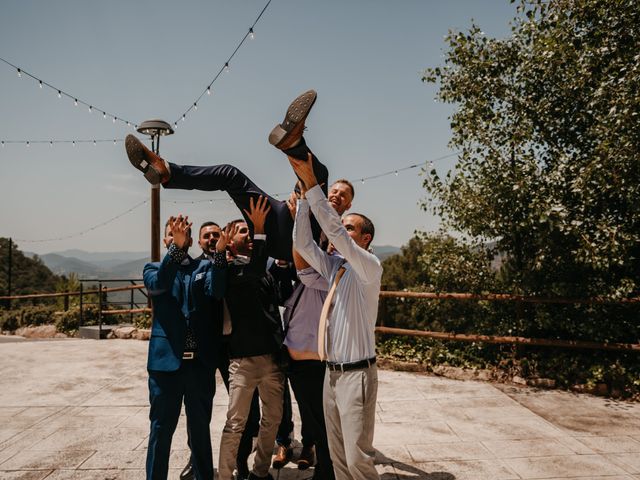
(105, 265)
(123, 264)
(385, 251)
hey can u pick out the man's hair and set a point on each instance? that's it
(233, 222)
(207, 224)
(367, 226)
(348, 184)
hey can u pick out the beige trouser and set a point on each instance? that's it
(245, 374)
(349, 400)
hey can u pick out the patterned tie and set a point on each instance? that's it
(324, 315)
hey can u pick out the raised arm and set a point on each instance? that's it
(304, 244)
(365, 264)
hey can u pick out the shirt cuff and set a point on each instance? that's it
(176, 254)
(306, 271)
(219, 259)
(260, 236)
(315, 194)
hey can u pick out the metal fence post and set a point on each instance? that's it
(81, 301)
(99, 310)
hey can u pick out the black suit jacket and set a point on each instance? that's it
(253, 304)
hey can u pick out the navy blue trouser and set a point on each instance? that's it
(279, 224)
(195, 383)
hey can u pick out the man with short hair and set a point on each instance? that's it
(208, 236)
(347, 323)
(255, 343)
(185, 340)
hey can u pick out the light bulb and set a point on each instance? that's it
(59, 94)
(104, 115)
(251, 34)
(3, 144)
(195, 106)
(362, 181)
(40, 83)
(75, 102)
(113, 120)
(28, 144)
(114, 142)
(73, 143)
(226, 67)
(184, 117)
(396, 172)
(19, 73)
(90, 109)
(94, 143)
(209, 90)
(51, 143)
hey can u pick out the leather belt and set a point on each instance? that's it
(345, 367)
(188, 355)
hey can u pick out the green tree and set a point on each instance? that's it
(547, 125)
(28, 275)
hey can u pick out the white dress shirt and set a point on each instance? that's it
(352, 320)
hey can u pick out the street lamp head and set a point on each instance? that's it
(155, 127)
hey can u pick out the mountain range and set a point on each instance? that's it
(109, 265)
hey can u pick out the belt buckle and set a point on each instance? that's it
(188, 356)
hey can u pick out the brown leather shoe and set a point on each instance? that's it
(287, 134)
(283, 456)
(155, 169)
(307, 458)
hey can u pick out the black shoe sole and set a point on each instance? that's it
(297, 112)
(138, 158)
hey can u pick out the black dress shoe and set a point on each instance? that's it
(187, 472)
(253, 476)
(287, 134)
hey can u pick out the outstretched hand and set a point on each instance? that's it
(226, 236)
(304, 171)
(257, 213)
(180, 229)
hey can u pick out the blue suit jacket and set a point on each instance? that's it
(184, 295)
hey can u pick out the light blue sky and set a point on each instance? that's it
(151, 59)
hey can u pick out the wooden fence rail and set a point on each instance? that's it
(495, 339)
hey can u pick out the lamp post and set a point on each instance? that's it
(155, 129)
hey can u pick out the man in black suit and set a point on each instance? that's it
(208, 236)
(183, 348)
(255, 344)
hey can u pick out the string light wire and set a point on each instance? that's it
(61, 92)
(226, 199)
(53, 142)
(225, 68)
(87, 230)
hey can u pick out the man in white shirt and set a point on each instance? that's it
(347, 339)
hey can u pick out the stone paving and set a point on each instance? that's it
(77, 409)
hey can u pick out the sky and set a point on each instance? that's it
(153, 59)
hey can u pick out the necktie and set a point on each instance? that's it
(324, 315)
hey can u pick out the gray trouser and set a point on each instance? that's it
(245, 374)
(349, 411)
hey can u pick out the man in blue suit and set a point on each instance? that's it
(184, 345)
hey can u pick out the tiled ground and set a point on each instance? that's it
(77, 409)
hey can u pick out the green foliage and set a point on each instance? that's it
(547, 123)
(28, 275)
(30, 315)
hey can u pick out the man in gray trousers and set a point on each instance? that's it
(346, 331)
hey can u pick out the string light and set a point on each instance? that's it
(60, 92)
(90, 109)
(225, 68)
(52, 142)
(82, 232)
(195, 106)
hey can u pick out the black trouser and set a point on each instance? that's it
(286, 425)
(279, 224)
(307, 381)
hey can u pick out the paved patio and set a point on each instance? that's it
(77, 409)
